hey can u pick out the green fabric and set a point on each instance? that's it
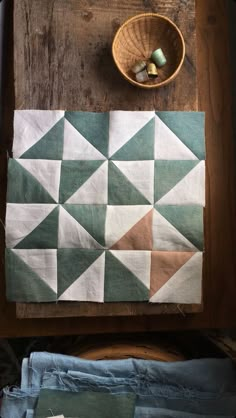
(74, 174)
(121, 191)
(91, 217)
(23, 187)
(50, 146)
(189, 127)
(71, 263)
(168, 173)
(187, 219)
(45, 235)
(140, 146)
(121, 284)
(93, 126)
(84, 404)
(23, 284)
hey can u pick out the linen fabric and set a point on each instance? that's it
(101, 205)
(84, 404)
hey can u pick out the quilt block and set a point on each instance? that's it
(106, 207)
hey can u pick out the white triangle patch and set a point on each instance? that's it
(141, 175)
(76, 147)
(30, 126)
(167, 238)
(90, 285)
(43, 263)
(94, 189)
(168, 146)
(124, 125)
(73, 235)
(46, 172)
(190, 190)
(184, 286)
(22, 219)
(120, 219)
(138, 262)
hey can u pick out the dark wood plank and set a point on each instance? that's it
(63, 60)
(63, 56)
(71, 309)
(220, 281)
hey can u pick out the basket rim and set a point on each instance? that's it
(141, 16)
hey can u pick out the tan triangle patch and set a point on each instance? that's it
(164, 264)
(139, 237)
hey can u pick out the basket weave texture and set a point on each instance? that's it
(138, 37)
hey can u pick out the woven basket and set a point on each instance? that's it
(138, 37)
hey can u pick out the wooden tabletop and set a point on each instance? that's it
(213, 74)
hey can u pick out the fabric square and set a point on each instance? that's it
(84, 182)
(31, 275)
(127, 276)
(83, 404)
(81, 275)
(179, 136)
(31, 226)
(131, 135)
(178, 228)
(38, 134)
(82, 226)
(89, 136)
(176, 277)
(131, 182)
(179, 182)
(33, 181)
(129, 227)
(102, 204)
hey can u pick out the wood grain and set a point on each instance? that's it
(70, 309)
(78, 73)
(63, 56)
(220, 280)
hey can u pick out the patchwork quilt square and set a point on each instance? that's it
(106, 207)
(84, 182)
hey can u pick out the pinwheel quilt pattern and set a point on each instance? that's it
(106, 207)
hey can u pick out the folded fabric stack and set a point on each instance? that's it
(69, 387)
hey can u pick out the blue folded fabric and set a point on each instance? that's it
(196, 388)
(210, 375)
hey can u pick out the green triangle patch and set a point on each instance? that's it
(140, 146)
(121, 285)
(45, 235)
(189, 127)
(168, 173)
(91, 217)
(23, 284)
(50, 146)
(121, 191)
(23, 187)
(71, 263)
(186, 219)
(74, 174)
(93, 126)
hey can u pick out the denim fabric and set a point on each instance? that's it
(197, 387)
(153, 395)
(15, 404)
(210, 375)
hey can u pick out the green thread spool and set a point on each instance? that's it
(158, 57)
